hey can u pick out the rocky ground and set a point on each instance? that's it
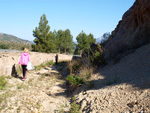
(120, 87)
(121, 98)
(42, 92)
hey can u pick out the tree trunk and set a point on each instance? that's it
(65, 50)
(80, 52)
(59, 50)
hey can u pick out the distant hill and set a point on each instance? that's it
(13, 43)
(11, 38)
(98, 40)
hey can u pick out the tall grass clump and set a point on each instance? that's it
(81, 69)
(80, 72)
(97, 55)
(75, 80)
(75, 108)
(43, 65)
(2, 82)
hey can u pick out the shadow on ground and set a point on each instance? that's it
(14, 72)
(133, 69)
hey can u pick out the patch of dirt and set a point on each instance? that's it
(42, 91)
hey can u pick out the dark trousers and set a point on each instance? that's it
(24, 70)
(56, 59)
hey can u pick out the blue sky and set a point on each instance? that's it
(20, 17)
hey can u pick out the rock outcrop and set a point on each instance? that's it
(132, 31)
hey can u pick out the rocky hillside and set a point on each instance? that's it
(13, 43)
(132, 31)
(123, 87)
(10, 38)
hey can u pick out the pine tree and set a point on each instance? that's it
(68, 41)
(60, 40)
(84, 41)
(42, 34)
(64, 41)
(90, 40)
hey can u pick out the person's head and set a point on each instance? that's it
(26, 50)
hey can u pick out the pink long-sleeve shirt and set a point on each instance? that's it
(24, 59)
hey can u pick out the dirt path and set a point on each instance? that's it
(42, 92)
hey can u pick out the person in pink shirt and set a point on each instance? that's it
(24, 59)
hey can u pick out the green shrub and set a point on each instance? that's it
(75, 68)
(75, 108)
(2, 82)
(81, 68)
(4, 46)
(75, 80)
(97, 57)
(94, 55)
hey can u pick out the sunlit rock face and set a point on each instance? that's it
(132, 31)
